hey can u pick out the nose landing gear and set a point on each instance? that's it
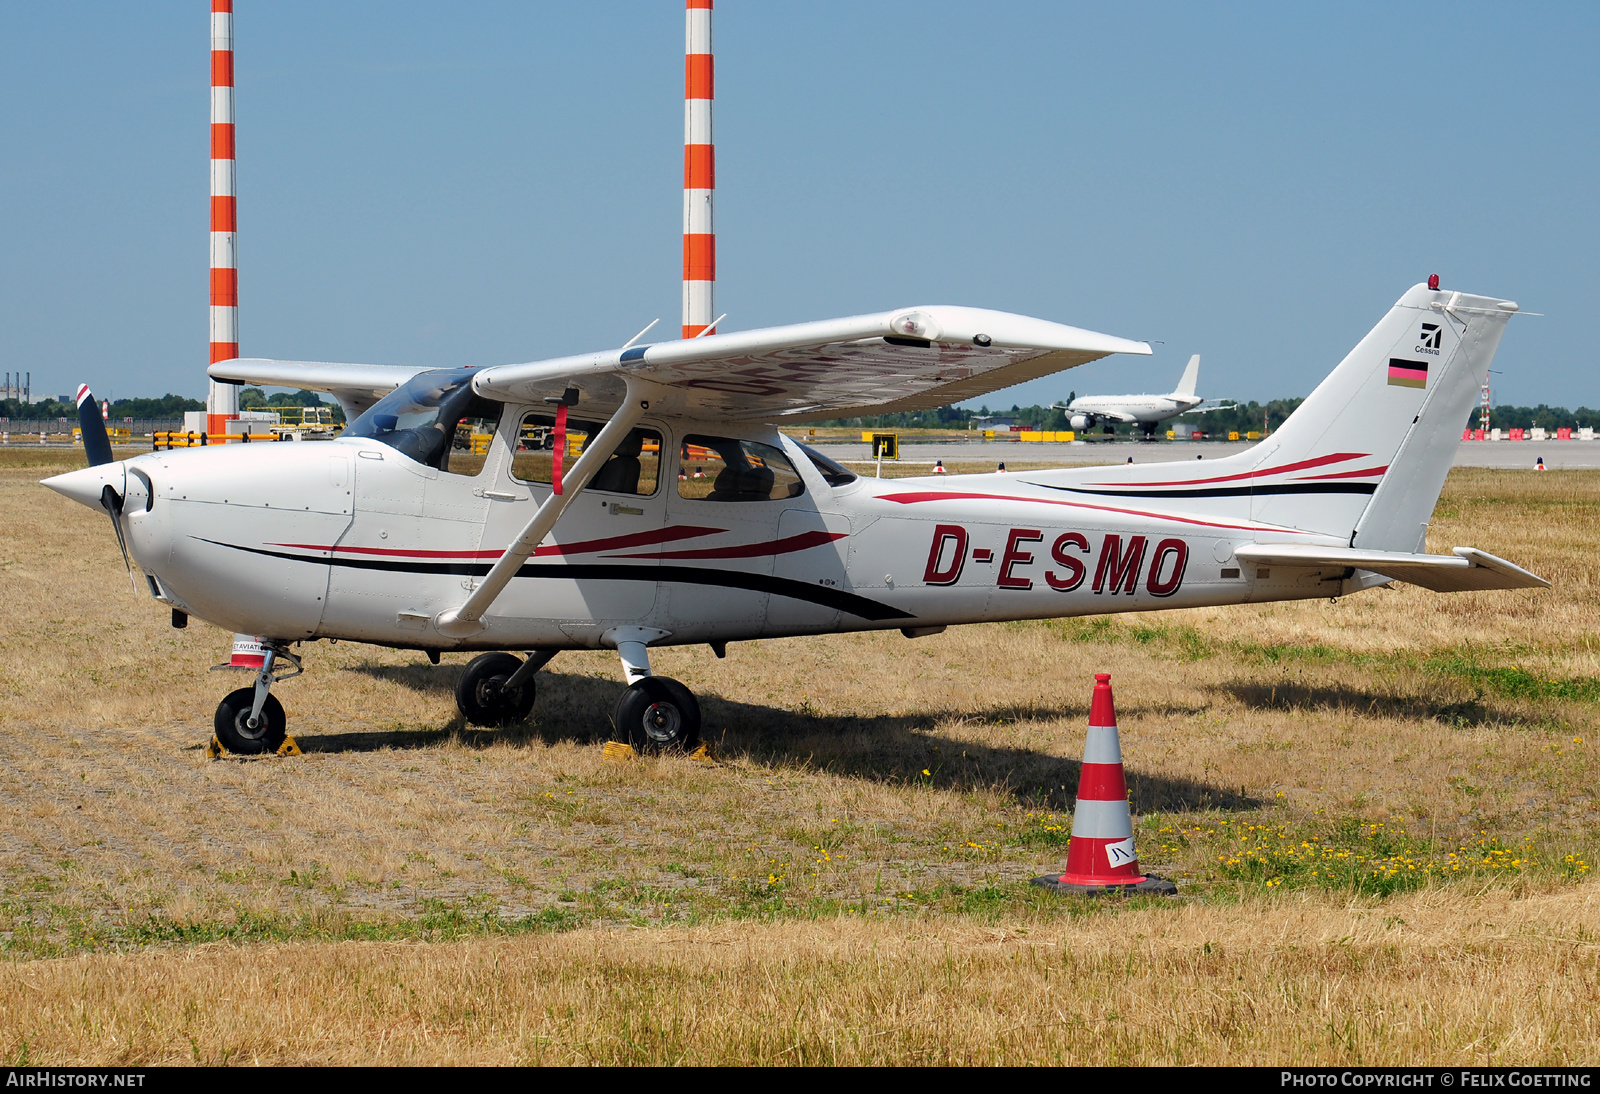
(250, 721)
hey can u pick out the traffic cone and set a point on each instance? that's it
(1100, 856)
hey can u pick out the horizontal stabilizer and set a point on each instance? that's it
(1467, 570)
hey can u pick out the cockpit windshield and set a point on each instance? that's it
(834, 474)
(420, 419)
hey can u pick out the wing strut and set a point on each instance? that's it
(468, 619)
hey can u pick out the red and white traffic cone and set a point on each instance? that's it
(1100, 857)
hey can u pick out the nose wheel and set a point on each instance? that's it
(238, 735)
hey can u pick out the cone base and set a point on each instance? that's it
(1066, 883)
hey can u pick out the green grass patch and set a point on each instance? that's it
(1513, 681)
(1475, 669)
(1373, 858)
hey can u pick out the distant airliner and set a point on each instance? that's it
(1145, 411)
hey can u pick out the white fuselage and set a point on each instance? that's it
(1139, 409)
(353, 540)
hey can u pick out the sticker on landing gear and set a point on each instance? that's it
(248, 652)
(1121, 853)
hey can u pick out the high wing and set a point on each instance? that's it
(911, 359)
(355, 386)
(1466, 570)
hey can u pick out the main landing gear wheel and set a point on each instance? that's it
(656, 714)
(233, 724)
(483, 697)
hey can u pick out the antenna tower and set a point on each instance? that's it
(699, 175)
(222, 400)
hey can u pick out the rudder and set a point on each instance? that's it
(1365, 456)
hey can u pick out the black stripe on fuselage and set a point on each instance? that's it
(599, 571)
(1226, 491)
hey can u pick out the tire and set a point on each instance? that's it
(233, 728)
(657, 714)
(480, 695)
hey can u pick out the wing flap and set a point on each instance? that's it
(1467, 570)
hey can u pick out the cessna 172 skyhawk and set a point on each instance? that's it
(689, 518)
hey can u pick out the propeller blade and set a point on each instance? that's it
(111, 502)
(96, 445)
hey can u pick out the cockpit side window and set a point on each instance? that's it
(723, 469)
(634, 468)
(435, 419)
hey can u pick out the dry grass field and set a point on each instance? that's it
(1380, 813)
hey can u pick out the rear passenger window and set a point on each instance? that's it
(721, 469)
(634, 468)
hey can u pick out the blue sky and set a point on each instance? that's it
(481, 183)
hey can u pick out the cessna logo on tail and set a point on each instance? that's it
(1432, 339)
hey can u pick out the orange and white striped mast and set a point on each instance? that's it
(699, 176)
(222, 400)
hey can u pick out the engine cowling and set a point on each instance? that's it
(1080, 422)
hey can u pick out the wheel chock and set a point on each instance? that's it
(621, 752)
(215, 751)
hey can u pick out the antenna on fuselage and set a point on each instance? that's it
(641, 334)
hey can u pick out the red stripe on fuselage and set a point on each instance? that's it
(589, 546)
(935, 495)
(783, 546)
(1320, 461)
(1365, 471)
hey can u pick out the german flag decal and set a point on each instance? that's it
(1407, 373)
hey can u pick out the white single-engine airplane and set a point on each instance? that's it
(1144, 411)
(441, 520)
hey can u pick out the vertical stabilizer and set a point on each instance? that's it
(1365, 456)
(1191, 377)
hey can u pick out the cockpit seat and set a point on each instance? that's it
(620, 475)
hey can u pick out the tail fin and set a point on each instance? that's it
(1191, 377)
(96, 445)
(1366, 454)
